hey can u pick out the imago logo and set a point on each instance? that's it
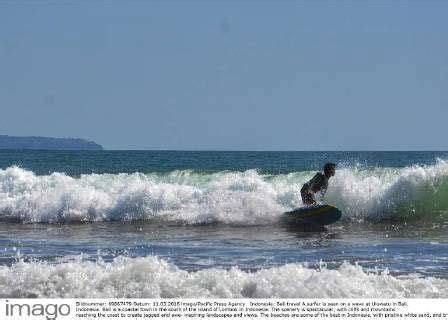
(23, 310)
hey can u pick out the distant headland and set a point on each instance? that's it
(47, 143)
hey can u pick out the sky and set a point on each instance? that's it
(227, 75)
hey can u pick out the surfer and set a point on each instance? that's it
(318, 183)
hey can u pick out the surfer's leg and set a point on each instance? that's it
(307, 197)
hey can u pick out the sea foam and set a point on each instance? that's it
(152, 277)
(240, 198)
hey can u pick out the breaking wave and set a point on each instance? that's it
(241, 198)
(152, 277)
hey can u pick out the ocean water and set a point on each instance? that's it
(179, 224)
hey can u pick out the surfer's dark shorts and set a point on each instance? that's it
(307, 197)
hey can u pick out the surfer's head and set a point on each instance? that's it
(329, 169)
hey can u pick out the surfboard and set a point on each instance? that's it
(317, 215)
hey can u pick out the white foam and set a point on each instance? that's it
(391, 193)
(245, 198)
(151, 277)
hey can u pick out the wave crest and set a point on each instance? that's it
(244, 198)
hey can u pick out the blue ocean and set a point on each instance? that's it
(184, 224)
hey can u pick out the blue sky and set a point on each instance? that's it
(227, 75)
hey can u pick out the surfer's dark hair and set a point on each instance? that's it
(329, 166)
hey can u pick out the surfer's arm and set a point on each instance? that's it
(323, 191)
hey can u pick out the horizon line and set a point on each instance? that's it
(436, 149)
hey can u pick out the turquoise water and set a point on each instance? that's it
(190, 224)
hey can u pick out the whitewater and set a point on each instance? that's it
(240, 198)
(179, 224)
(152, 277)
